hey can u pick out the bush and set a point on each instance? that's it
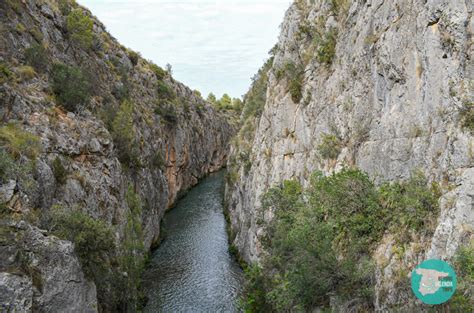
(339, 7)
(165, 92)
(71, 86)
(37, 56)
(80, 28)
(327, 47)
(410, 204)
(467, 116)
(330, 146)
(20, 28)
(134, 57)
(254, 291)
(5, 73)
(159, 72)
(37, 34)
(296, 90)
(463, 299)
(65, 6)
(294, 73)
(320, 240)
(123, 134)
(8, 167)
(122, 90)
(92, 238)
(19, 142)
(167, 112)
(59, 171)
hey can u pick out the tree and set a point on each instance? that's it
(237, 104)
(80, 28)
(212, 98)
(71, 86)
(225, 100)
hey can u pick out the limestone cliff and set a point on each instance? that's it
(389, 86)
(138, 134)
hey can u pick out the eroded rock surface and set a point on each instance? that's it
(177, 139)
(393, 94)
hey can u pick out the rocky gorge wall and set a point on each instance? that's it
(386, 85)
(141, 135)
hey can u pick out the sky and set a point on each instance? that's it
(213, 46)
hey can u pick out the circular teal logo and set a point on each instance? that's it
(433, 281)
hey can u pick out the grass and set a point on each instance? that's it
(26, 72)
(19, 142)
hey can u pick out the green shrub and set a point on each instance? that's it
(8, 167)
(320, 239)
(93, 240)
(254, 291)
(463, 299)
(71, 86)
(467, 116)
(19, 142)
(65, 6)
(167, 112)
(255, 98)
(59, 171)
(20, 28)
(123, 134)
(330, 146)
(296, 90)
(326, 47)
(340, 7)
(294, 73)
(165, 92)
(122, 91)
(5, 73)
(37, 56)
(37, 34)
(134, 57)
(159, 72)
(411, 205)
(80, 28)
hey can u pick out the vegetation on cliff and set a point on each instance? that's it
(84, 118)
(321, 239)
(252, 108)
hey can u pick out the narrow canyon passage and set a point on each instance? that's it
(192, 270)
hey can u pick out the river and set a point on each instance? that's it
(192, 270)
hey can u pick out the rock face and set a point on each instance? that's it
(389, 81)
(177, 139)
(39, 272)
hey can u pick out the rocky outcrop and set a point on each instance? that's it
(389, 82)
(174, 138)
(41, 272)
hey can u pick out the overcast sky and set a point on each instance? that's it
(212, 45)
